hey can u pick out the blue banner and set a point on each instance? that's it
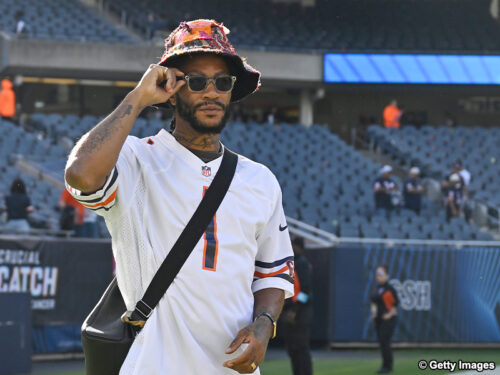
(411, 69)
(446, 294)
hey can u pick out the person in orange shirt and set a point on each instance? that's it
(7, 100)
(392, 115)
(66, 202)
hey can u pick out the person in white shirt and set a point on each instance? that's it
(464, 173)
(219, 313)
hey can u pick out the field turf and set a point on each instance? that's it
(367, 362)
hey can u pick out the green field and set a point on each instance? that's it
(405, 362)
(367, 362)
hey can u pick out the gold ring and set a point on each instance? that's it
(253, 366)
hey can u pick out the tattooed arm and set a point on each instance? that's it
(96, 153)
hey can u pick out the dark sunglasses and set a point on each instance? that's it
(200, 83)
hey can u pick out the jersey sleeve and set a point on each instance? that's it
(119, 186)
(274, 264)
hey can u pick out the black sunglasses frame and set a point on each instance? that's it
(187, 77)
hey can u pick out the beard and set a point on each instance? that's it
(188, 114)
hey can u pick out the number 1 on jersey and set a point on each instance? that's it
(211, 247)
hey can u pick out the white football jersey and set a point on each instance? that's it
(147, 201)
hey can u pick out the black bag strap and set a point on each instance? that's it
(188, 238)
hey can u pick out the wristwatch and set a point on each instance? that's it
(270, 317)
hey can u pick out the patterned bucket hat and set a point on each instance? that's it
(208, 36)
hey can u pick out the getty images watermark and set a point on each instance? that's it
(451, 366)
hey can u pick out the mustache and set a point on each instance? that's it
(219, 104)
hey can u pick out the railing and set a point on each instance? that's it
(396, 241)
(493, 215)
(36, 232)
(319, 238)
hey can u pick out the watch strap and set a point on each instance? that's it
(273, 321)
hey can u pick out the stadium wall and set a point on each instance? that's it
(285, 76)
(65, 277)
(467, 105)
(128, 62)
(448, 295)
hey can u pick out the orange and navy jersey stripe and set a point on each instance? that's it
(282, 268)
(102, 199)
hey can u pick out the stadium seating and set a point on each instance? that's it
(59, 20)
(325, 182)
(14, 140)
(328, 184)
(435, 148)
(331, 25)
(339, 25)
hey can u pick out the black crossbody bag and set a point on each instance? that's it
(109, 331)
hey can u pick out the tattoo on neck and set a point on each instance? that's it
(204, 142)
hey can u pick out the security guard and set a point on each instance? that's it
(297, 313)
(384, 314)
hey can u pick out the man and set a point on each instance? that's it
(386, 190)
(297, 313)
(72, 214)
(7, 100)
(454, 197)
(462, 172)
(466, 177)
(232, 288)
(459, 187)
(413, 190)
(21, 26)
(384, 314)
(392, 115)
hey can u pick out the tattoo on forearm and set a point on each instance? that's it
(104, 130)
(127, 111)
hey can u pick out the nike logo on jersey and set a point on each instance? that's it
(283, 228)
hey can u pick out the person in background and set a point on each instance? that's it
(72, 214)
(21, 27)
(392, 114)
(454, 197)
(271, 116)
(458, 188)
(413, 190)
(466, 177)
(297, 313)
(90, 229)
(386, 190)
(464, 173)
(18, 206)
(445, 182)
(384, 314)
(7, 100)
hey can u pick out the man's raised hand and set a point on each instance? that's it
(157, 85)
